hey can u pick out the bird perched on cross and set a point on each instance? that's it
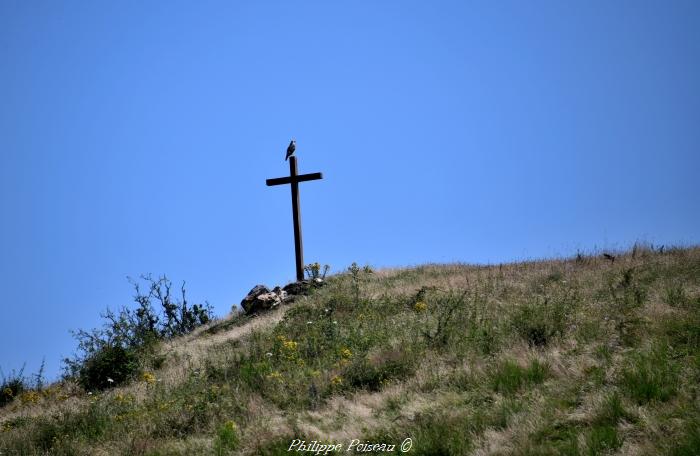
(290, 149)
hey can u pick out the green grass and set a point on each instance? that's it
(508, 377)
(570, 357)
(650, 376)
(688, 443)
(602, 438)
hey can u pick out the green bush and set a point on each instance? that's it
(109, 366)
(113, 354)
(540, 322)
(12, 386)
(16, 383)
(313, 271)
(628, 291)
(448, 308)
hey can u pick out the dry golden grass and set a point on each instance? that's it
(615, 314)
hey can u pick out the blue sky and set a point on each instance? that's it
(136, 137)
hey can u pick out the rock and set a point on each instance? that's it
(250, 303)
(268, 300)
(298, 288)
(284, 296)
(303, 287)
(262, 298)
(257, 290)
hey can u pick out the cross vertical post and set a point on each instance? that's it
(296, 215)
(294, 179)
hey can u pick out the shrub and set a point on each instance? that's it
(177, 317)
(358, 276)
(447, 307)
(17, 385)
(313, 271)
(538, 323)
(12, 386)
(112, 355)
(111, 365)
(628, 292)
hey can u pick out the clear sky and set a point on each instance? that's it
(136, 137)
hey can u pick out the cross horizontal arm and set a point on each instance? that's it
(290, 179)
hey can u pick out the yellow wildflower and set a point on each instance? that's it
(48, 392)
(289, 348)
(420, 306)
(230, 425)
(275, 375)
(336, 380)
(29, 397)
(149, 378)
(346, 353)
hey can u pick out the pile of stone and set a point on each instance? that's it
(261, 298)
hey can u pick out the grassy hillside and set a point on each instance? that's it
(580, 356)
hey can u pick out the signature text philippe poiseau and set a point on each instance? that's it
(358, 446)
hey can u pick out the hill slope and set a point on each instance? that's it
(579, 356)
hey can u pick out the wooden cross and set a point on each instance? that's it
(294, 179)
